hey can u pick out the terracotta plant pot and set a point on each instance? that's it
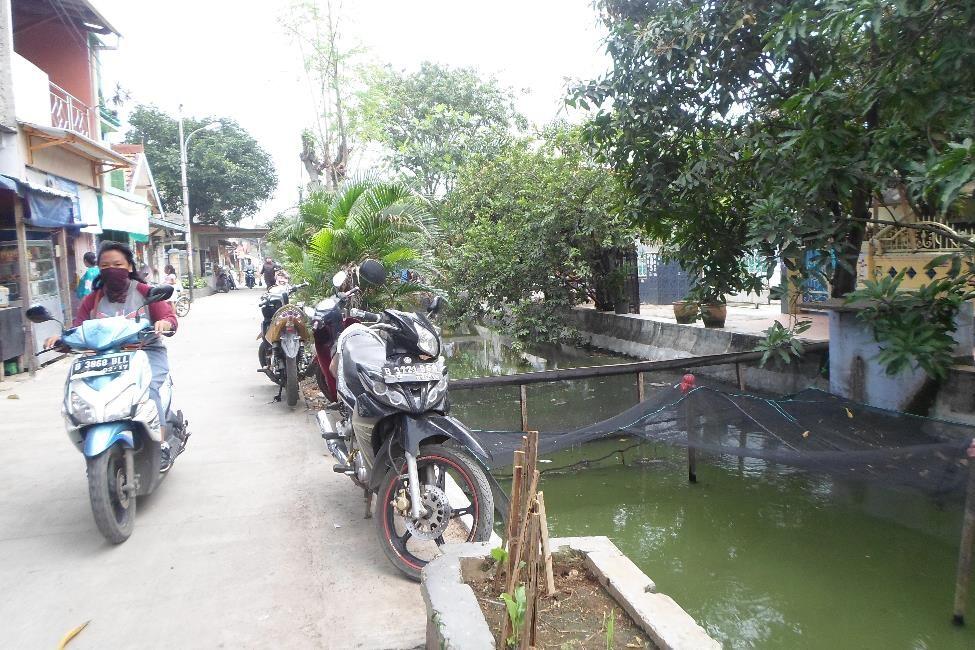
(714, 315)
(686, 312)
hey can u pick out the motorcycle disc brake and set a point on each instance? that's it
(435, 522)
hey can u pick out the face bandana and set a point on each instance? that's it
(116, 281)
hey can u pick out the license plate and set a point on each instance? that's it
(411, 373)
(106, 365)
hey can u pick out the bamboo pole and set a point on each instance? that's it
(690, 425)
(531, 583)
(641, 391)
(515, 558)
(964, 574)
(546, 549)
(740, 376)
(25, 294)
(66, 283)
(514, 512)
(523, 399)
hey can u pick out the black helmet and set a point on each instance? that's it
(372, 272)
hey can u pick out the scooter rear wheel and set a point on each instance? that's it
(112, 507)
(291, 380)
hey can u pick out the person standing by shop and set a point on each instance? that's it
(88, 277)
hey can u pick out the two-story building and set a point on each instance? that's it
(55, 198)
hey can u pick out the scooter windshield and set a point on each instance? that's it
(105, 333)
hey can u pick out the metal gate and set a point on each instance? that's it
(661, 283)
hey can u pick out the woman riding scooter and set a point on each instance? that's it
(119, 291)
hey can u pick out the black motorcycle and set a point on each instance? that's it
(390, 431)
(224, 282)
(250, 278)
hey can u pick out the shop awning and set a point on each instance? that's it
(9, 184)
(159, 222)
(41, 137)
(125, 214)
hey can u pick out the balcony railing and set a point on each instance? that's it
(69, 112)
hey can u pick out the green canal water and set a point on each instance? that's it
(762, 556)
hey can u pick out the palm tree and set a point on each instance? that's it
(365, 218)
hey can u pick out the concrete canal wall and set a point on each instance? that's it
(656, 341)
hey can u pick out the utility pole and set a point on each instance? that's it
(183, 151)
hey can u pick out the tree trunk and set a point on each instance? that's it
(848, 252)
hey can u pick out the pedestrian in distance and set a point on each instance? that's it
(268, 272)
(88, 277)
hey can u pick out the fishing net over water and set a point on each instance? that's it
(812, 430)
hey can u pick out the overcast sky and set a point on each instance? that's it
(231, 58)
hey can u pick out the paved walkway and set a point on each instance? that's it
(252, 542)
(748, 319)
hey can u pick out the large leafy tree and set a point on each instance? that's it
(786, 120)
(531, 232)
(436, 118)
(228, 173)
(365, 218)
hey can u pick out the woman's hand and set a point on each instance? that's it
(163, 326)
(51, 341)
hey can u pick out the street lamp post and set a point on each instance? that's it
(183, 149)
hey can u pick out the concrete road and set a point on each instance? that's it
(251, 542)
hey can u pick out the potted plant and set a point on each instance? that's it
(686, 311)
(709, 293)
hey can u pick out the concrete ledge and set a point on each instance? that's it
(454, 618)
(655, 341)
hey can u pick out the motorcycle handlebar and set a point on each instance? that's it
(367, 316)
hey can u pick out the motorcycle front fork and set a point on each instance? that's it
(413, 477)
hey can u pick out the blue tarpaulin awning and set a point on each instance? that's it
(9, 184)
(49, 208)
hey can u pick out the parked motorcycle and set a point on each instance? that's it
(389, 430)
(110, 417)
(250, 277)
(225, 280)
(283, 355)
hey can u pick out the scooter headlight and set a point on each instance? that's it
(427, 342)
(79, 409)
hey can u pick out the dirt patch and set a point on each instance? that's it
(576, 617)
(314, 398)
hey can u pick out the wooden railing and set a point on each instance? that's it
(638, 368)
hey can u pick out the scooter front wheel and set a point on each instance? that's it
(112, 506)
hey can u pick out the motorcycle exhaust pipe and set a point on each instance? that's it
(332, 439)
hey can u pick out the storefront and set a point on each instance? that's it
(35, 224)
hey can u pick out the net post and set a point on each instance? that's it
(523, 401)
(690, 426)
(964, 572)
(640, 388)
(740, 375)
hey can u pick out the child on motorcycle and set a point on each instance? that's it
(120, 291)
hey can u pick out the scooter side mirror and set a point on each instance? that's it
(38, 314)
(339, 279)
(159, 293)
